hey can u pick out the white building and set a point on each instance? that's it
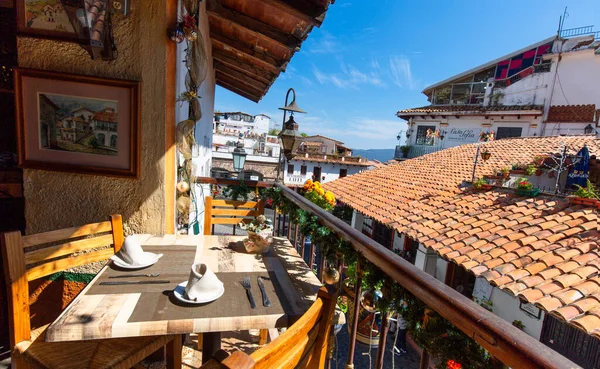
(238, 122)
(545, 89)
(322, 159)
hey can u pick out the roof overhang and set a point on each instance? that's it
(409, 114)
(254, 40)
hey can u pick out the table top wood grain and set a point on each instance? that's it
(101, 312)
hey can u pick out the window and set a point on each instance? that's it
(317, 173)
(367, 226)
(303, 170)
(343, 173)
(323, 149)
(505, 132)
(422, 135)
(290, 169)
(382, 234)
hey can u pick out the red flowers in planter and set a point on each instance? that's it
(454, 364)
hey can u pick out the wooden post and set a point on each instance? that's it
(424, 364)
(354, 328)
(289, 233)
(174, 348)
(383, 331)
(302, 247)
(322, 265)
(296, 237)
(275, 221)
(311, 258)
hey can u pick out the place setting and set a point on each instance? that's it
(203, 286)
(132, 256)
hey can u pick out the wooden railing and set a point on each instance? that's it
(505, 342)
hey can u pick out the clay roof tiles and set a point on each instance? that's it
(544, 250)
(572, 113)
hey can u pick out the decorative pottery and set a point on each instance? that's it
(258, 243)
(369, 319)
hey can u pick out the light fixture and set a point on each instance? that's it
(486, 155)
(239, 156)
(289, 135)
(588, 129)
(91, 20)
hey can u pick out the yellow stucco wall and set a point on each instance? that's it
(57, 200)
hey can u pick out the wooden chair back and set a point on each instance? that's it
(303, 345)
(27, 258)
(229, 212)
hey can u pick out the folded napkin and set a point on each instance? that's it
(132, 253)
(202, 283)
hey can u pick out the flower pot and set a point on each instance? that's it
(539, 172)
(517, 171)
(529, 193)
(258, 243)
(369, 321)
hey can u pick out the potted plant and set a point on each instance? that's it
(405, 149)
(505, 172)
(519, 324)
(587, 195)
(525, 188)
(260, 235)
(530, 169)
(481, 184)
(517, 169)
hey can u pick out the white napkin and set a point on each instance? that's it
(202, 284)
(132, 253)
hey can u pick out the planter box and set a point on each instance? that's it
(529, 193)
(587, 202)
(518, 171)
(493, 177)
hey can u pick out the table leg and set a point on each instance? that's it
(174, 353)
(211, 343)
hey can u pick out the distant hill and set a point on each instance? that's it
(382, 155)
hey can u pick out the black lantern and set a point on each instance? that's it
(588, 129)
(239, 155)
(91, 20)
(486, 155)
(289, 135)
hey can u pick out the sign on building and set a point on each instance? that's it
(458, 136)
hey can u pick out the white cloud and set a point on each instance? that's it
(327, 44)
(349, 77)
(400, 72)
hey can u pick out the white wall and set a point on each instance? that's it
(204, 126)
(331, 171)
(507, 307)
(357, 220)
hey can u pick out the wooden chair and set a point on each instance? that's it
(303, 345)
(229, 212)
(26, 259)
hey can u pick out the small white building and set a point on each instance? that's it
(239, 122)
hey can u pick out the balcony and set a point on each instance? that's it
(415, 151)
(376, 265)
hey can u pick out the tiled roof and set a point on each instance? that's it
(544, 250)
(311, 143)
(328, 138)
(106, 115)
(333, 159)
(468, 109)
(571, 113)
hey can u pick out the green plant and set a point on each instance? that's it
(505, 170)
(405, 149)
(478, 184)
(524, 184)
(237, 191)
(587, 192)
(519, 324)
(273, 132)
(538, 160)
(530, 170)
(518, 166)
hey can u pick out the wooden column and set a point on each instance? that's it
(170, 124)
(424, 364)
(383, 331)
(296, 237)
(355, 312)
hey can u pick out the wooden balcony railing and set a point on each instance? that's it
(503, 341)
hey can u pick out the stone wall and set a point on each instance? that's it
(268, 170)
(57, 200)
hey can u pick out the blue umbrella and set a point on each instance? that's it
(579, 173)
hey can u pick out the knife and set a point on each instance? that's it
(132, 282)
(261, 285)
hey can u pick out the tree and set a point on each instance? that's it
(303, 134)
(273, 132)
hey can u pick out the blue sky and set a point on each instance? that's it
(366, 62)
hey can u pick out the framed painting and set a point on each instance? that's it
(44, 19)
(77, 123)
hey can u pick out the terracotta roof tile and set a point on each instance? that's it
(571, 113)
(545, 250)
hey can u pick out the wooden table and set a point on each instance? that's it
(101, 312)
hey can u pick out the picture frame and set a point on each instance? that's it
(44, 19)
(76, 123)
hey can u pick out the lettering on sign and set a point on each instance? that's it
(463, 135)
(530, 309)
(254, 178)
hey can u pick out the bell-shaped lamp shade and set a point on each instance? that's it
(239, 159)
(290, 138)
(293, 108)
(588, 129)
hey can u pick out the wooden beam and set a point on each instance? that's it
(262, 59)
(299, 9)
(233, 82)
(217, 10)
(241, 77)
(237, 90)
(251, 70)
(170, 124)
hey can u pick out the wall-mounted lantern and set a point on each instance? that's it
(588, 130)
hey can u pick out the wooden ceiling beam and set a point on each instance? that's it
(254, 91)
(238, 91)
(217, 10)
(241, 77)
(260, 59)
(236, 63)
(300, 9)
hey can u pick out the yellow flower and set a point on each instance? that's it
(317, 184)
(320, 191)
(330, 197)
(308, 185)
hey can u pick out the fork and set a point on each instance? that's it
(246, 284)
(134, 275)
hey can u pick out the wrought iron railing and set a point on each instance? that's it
(579, 31)
(502, 340)
(416, 151)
